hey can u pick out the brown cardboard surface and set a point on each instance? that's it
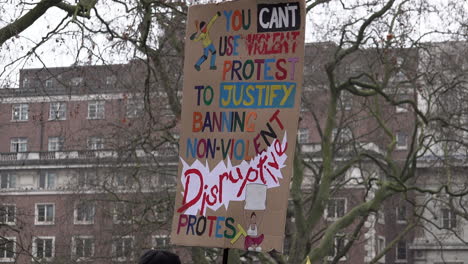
(241, 100)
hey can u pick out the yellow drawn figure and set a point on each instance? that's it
(204, 37)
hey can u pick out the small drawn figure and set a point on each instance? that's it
(255, 204)
(253, 239)
(206, 42)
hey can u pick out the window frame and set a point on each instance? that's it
(381, 216)
(99, 109)
(57, 113)
(134, 107)
(346, 101)
(158, 215)
(121, 239)
(398, 145)
(380, 247)
(58, 143)
(36, 214)
(9, 177)
(47, 180)
(35, 247)
(341, 136)
(397, 256)
(95, 143)
(303, 135)
(87, 179)
(23, 112)
(48, 83)
(402, 108)
(19, 141)
(75, 246)
(111, 79)
(336, 214)
(398, 213)
(165, 239)
(85, 221)
(26, 83)
(76, 81)
(6, 258)
(448, 221)
(166, 178)
(336, 239)
(8, 214)
(116, 216)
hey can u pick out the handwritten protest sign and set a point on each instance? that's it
(241, 99)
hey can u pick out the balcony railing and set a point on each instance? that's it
(166, 152)
(82, 155)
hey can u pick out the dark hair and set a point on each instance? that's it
(159, 257)
(252, 214)
(202, 24)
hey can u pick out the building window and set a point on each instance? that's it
(8, 181)
(167, 178)
(160, 241)
(303, 135)
(402, 108)
(55, 143)
(45, 214)
(336, 208)
(77, 81)
(47, 180)
(19, 112)
(401, 254)
(401, 140)
(123, 213)
(26, 82)
(401, 214)
(157, 213)
(87, 180)
(449, 218)
(95, 143)
(7, 249)
(381, 216)
(83, 247)
(49, 83)
(19, 145)
(7, 214)
(44, 247)
(111, 80)
(134, 108)
(122, 248)
(121, 180)
(84, 213)
(58, 111)
(211, 254)
(346, 101)
(339, 242)
(342, 136)
(381, 247)
(96, 110)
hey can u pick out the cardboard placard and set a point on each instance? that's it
(243, 74)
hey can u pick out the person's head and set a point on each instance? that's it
(203, 26)
(159, 257)
(253, 218)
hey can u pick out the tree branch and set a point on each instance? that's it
(18, 26)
